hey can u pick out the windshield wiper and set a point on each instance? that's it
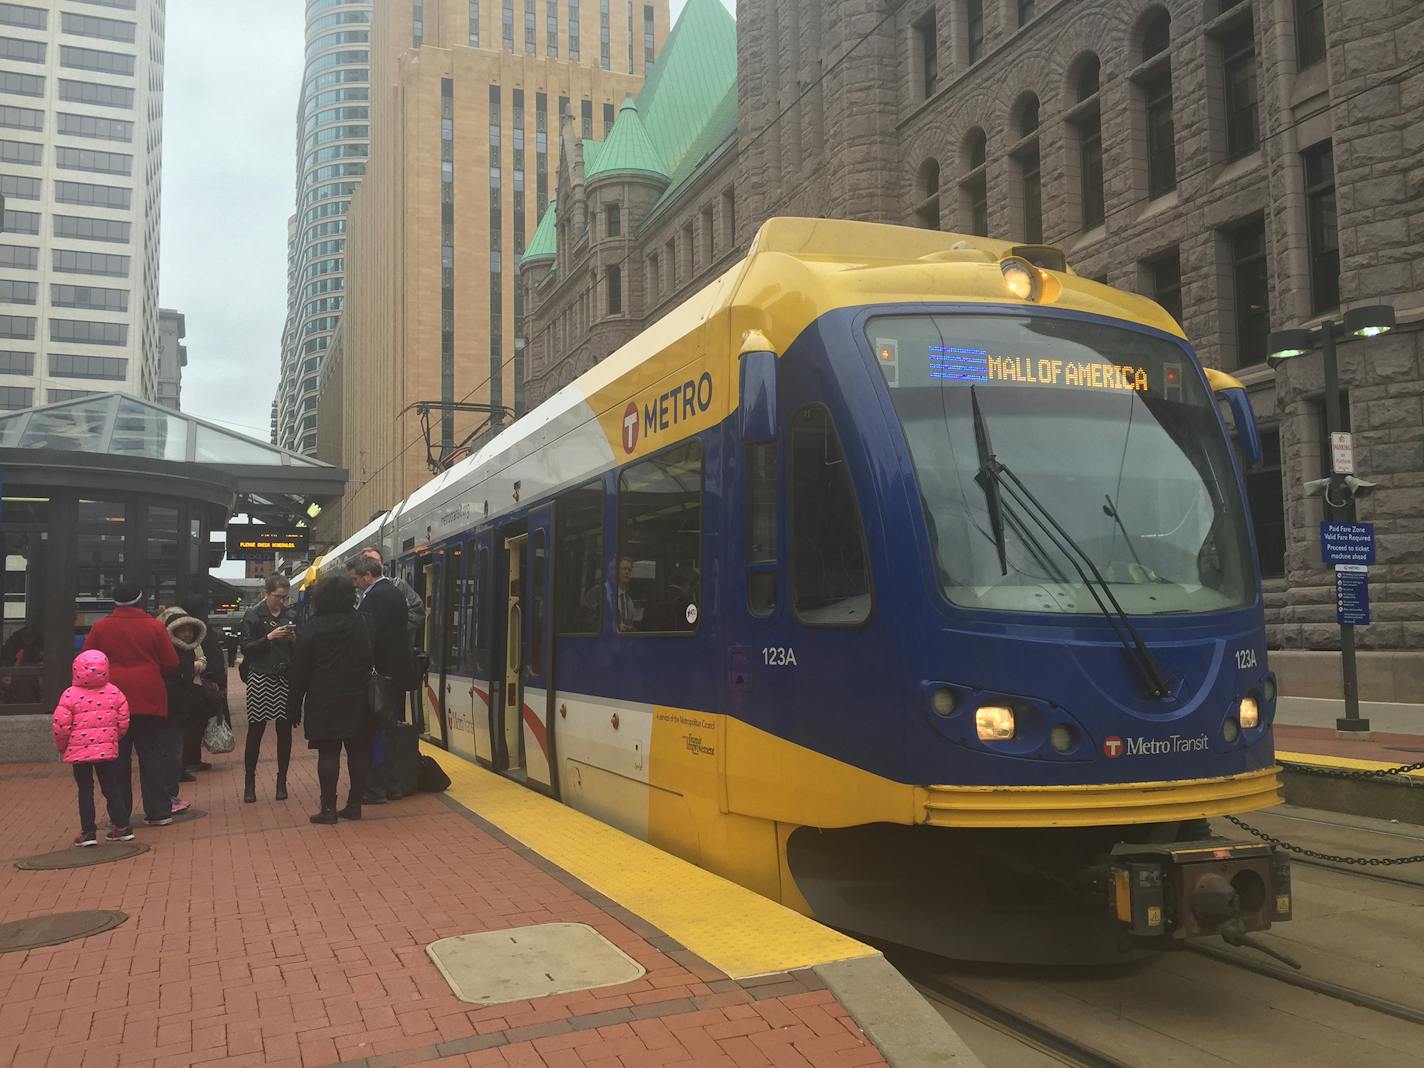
(988, 480)
(991, 470)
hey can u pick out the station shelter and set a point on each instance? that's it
(107, 488)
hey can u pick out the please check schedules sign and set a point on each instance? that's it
(1350, 547)
(252, 541)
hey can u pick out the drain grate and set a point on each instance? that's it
(52, 930)
(494, 967)
(74, 857)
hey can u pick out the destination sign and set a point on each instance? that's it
(947, 362)
(247, 541)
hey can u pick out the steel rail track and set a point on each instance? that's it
(1305, 982)
(1046, 1040)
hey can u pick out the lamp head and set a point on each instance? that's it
(1371, 320)
(1283, 345)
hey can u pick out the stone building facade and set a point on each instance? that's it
(1251, 164)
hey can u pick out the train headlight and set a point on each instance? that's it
(1229, 730)
(1249, 713)
(1020, 279)
(1063, 737)
(1268, 688)
(994, 723)
(942, 701)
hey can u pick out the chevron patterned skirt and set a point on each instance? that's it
(266, 698)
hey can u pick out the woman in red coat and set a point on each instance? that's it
(140, 654)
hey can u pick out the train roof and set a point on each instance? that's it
(795, 271)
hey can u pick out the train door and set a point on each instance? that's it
(481, 645)
(430, 694)
(445, 641)
(538, 668)
(458, 686)
(509, 726)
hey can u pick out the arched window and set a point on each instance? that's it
(1087, 76)
(1027, 111)
(1156, 33)
(927, 213)
(973, 182)
(1026, 159)
(1086, 125)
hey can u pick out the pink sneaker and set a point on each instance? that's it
(181, 806)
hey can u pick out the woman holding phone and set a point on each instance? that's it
(269, 632)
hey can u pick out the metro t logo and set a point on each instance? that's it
(1112, 747)
(630, 428)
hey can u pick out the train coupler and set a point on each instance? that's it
(1165, 894)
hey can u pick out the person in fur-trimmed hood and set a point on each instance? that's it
(186, 701)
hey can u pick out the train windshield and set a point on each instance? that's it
(1112, 430)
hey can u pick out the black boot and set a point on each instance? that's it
(326, 815)
(249, 789)
(281, 786)
(352, 811)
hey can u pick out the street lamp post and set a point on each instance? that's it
(1284, 345)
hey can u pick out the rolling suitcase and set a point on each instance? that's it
(403, 756)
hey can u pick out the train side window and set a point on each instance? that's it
(658, 571)
(538, 596)
(761, 528)
(479, 615)
(578, 561)
(830, 577)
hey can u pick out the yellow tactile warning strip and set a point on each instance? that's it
(1346, 763)
(742, 933)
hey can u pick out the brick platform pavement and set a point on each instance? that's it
(256, 938)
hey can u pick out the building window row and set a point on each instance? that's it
(90, 195)
(85, 229)
(89, 297)
(1310, 38)
(23, 153)
(106, 96)
(104, 29)
(106, 368)
(16, 118)
(85, 159)
(21, 84)
(14, 362)
(96, 60)
(24, 16)
(16, 291)
(20, 187)
(73, 261)
(85, 332)
(95, 127)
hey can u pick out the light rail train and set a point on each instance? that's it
(901, 576)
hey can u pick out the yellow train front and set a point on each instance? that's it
(900, 576)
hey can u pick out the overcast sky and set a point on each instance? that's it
(232, 74)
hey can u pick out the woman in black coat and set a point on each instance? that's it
(330, 681)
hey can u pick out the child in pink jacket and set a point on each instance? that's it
(91, 717)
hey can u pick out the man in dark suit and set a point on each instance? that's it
(384, 610)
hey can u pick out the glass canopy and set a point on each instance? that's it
(118, 425)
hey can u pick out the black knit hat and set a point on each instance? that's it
(127, 593)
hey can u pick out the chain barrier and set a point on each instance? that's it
(1342, 773)
(1362, 862)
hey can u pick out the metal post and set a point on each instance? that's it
(1336, 491)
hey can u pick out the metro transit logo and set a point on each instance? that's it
(630, 427)
(1112, 747)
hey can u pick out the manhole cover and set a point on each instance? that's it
(52, 930)
(75, 857)
(530, 962)
(190, 815)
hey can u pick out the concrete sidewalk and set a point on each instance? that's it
(1385, 717)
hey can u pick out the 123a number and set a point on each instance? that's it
(778, 656)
